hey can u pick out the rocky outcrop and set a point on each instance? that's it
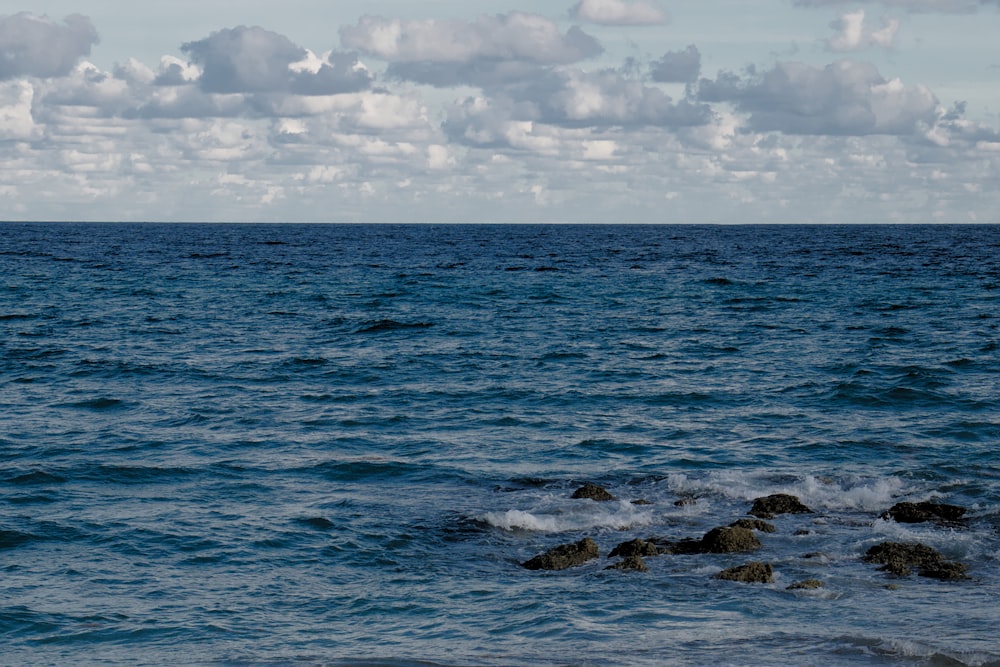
(779, 503)
(636, 547)
(564, 556)
(722, 540)
(754, 524)
(805, 585)
(924, 511)
(751, 573)
(633, 563)
(900, 558)
(593, 492)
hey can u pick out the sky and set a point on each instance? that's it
(631, 111)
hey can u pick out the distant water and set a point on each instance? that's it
(334, 445)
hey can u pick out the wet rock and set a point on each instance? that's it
(636, 547)
(729, 539)
(899, 558)
(754, 524)
(593, 492)
(564, 556)
(924, 511)
(751, 573)
(641, 501)
(947, 570)
(722, 540)
(633, 563)
(779, 503)
(806, 584)
(684, 502)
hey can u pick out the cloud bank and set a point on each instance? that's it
(509, 116)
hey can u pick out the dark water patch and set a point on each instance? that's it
(381, 326)
(10, 539)
(317, 523)
(14, 317)
(102, 404)
(130, 474)
(36, 478)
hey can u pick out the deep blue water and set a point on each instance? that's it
(334, 445)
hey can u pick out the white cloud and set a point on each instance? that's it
(16, 121)
(854, 35)
(515, 36)
(33, 45)
(844, 98)
(619, 12)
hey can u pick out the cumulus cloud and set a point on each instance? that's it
(677, 66)
(853, 34)
(844, 98)
(619, 12)
(254, 60)
(37, 46)
(506, 37)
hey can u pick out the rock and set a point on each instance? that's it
(899, 558)
(684, 502)
(564, 556)
(630, 563)
(754, 524)
(722, 540)
(924, 511)
(807, 584)
(751, 573)
(778, 503)
(729, 539)
(593, 492)
(636, 547)
(641, 501)
(947, 570)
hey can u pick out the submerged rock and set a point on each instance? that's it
(924, 511)
(633, 563)
(636, 547)
(754, 524)
(564, 556)
(778, 503)
(593, 492)
(751, 573)
(899, 558)
(806, 584)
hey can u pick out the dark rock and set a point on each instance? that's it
(924, 511)
(754, 524)
(751, 573)
(807, 584)
(564, 556)
(947, 570)
(729, 539)
(778, 503)
(722, 540)
(630, 563)
(899, 558)
(636, 547)
(683, 502)
(593, 492)
(641, 501)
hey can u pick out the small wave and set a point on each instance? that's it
(580, 515)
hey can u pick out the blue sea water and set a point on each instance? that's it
(334, 445)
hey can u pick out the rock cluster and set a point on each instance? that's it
(923, 512)
(896, 558)
(899, 558)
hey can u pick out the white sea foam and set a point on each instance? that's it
(583, 515)
(853, 493)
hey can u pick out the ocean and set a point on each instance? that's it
(272, 445)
